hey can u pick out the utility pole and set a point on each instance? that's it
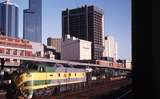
(2, 63)
(2, 70)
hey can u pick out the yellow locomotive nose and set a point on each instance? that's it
(24, 84)
(19, 80)
(22, 78)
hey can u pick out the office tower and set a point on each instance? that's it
(110, 48)
(32, 21)
(8, 19)
(55, 42)
(85, 23)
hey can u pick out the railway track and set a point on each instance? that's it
(124, 92)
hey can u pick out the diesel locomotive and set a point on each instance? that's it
(40, 78)
(37, 78)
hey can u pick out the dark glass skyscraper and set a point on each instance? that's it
(32, 21)
(8, 19)
(86, 22)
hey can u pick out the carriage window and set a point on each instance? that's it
(65, 75)
(75, 74)
(69, 74)
(59, 75)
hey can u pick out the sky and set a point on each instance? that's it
(117, 19)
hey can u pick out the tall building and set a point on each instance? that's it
(110, 48)
(32, 21)
(55, 42)
(85, 23)
(8, 19)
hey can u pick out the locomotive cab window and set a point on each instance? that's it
(42, 69)
(32, 66)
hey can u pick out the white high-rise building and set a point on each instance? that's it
(110, 47)
(76, 49)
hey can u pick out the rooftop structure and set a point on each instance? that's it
(76, 49)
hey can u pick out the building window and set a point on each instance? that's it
(110, 64)
(14, 52)
(7, 60)
(10, 39)
(38, 53)
(3, 38)
(8, 51)
(1, 50)
(28, 53)
(16, 40)
(21, 53)
(15, 60)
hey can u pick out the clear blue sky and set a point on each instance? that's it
(117, 19)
